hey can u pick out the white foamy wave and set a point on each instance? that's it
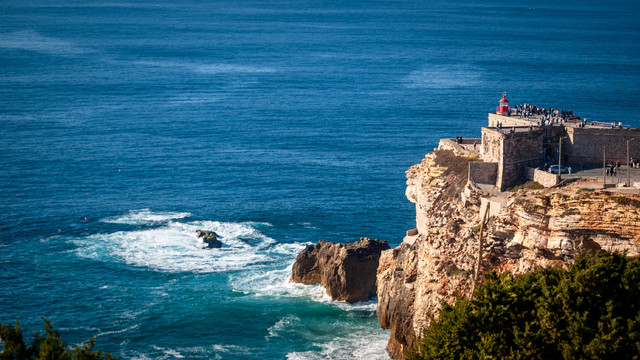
(307, 225)
(292, 249)
(230, 348)
(277, 283)
(283, 325)
(132, 327)
(370, 305)
(215, 351)
(362, 344)
(146, 216)
(171, 353)
(32, 41)
(175, 246)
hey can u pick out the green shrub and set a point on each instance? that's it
(528, 185)
(591, 311)
(625, 201)
(45, 347)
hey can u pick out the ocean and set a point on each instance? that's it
(128, 125)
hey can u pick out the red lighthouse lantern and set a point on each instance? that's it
(503, 108)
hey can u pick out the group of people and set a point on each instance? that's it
(549, 116)
(527, 109)
(613, 168)
(459, 141)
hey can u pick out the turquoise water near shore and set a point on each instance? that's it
(126, 126)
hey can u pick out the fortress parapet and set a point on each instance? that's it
(519, 141)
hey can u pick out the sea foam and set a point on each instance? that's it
(171, 244)
(145, 216)
(276, 283)
(359, 344)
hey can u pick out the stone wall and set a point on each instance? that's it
(493, 205)
(507, 121)
(530, 147)
(544, 178)
(586, 144)
(465, 148)
(491, 148)
(483, 172)
(512, 152)
(522, 149)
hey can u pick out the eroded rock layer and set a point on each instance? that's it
(347, 272)
(534, 228)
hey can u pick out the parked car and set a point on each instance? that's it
(563, 169)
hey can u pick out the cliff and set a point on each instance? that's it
(347, 272)
(532, 228)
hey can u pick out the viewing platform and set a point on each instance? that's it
(524, 142)
(512, 119)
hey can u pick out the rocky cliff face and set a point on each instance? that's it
(535, 228)
(347, 272)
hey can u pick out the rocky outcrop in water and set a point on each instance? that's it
(347, 272)
(210, 238)
(534, 228)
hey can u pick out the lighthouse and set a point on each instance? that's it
(503, 108)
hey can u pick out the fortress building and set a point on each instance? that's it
(520, 142)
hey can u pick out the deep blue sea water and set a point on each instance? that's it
(126, 126)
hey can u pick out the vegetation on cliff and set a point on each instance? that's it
(591, 311)
(48, 346)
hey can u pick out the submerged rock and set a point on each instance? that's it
(347, 272)
(210, 238)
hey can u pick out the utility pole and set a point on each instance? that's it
(628, 165)
(604, 167)
(560, 159)
(476, 276)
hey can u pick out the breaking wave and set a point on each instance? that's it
(145, 216)
(360, 344)
(275, 283)
(171, 244)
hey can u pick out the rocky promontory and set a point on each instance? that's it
(528, 229)
(347, 272)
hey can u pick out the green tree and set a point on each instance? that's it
(591, 311)
(45, 347)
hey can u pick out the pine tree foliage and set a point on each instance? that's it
(591, 311)
(45, 347)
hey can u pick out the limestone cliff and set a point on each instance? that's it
(347, 272)
(534, 228)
